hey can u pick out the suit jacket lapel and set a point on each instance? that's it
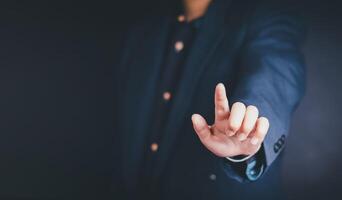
(206, 41)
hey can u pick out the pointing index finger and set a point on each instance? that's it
(221, 104)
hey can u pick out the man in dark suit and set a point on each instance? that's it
(175, 66)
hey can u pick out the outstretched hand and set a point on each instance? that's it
(236, 131)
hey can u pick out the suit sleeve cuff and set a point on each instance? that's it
(245, 169)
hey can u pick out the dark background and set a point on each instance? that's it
(56, 103)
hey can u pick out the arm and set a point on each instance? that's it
(272, 72)
(271, 78)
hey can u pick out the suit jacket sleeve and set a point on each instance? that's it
(271, 75)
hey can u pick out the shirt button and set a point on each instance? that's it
(154, 147)
(181, 18)
(212, 177)
(179, 46)
(166, 96)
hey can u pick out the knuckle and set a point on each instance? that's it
(239, 105)
(261, 132)
(233, 126)
(264, 120)
(220, 112)
(253, 109)
(222, 108)
(246, 128)
(264, 126)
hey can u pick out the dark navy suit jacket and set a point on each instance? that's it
(254, 49)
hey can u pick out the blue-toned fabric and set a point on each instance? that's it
(254, 48)
(253, 171)
(246, 171)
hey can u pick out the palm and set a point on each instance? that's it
(238, 131)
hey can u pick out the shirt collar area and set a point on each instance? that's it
(196, 23)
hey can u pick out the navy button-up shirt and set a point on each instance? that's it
(180, 38)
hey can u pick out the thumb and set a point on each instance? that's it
(200, 126)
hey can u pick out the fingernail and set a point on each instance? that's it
(220, 112)
(254, 141)
(242, 136)
(220, 85)
(194, 118)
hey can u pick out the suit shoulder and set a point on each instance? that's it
(263, 13)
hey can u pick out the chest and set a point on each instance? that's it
(211, 59)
